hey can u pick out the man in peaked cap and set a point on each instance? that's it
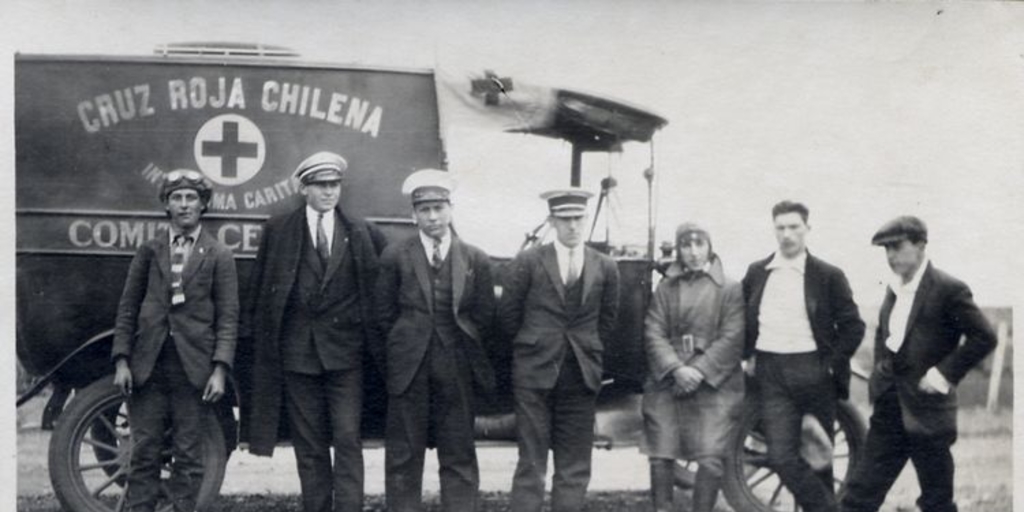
(310, 319)
(435, 302)
(169, 362)
(918, 362)
(559, 306)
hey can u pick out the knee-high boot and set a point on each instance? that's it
(662, 484)
(705, 490)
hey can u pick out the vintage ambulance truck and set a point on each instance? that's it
(94, 136)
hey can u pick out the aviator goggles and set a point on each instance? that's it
(176, 177)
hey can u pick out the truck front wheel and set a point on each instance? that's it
(751, 485)
(90, 450)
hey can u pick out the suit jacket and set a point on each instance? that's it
(204, 328)
(943, 311)
(835, 320)
(404, 309)
(271, 284)
(534, 314)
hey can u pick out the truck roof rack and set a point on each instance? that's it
(224, 49)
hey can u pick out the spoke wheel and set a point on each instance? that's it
(90, 450)
(751, 485)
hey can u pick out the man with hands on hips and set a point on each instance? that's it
(919, 359)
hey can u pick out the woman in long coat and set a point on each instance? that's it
(694, 393)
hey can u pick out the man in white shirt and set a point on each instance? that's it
(559, 307)
(918, 362)
(802, 328)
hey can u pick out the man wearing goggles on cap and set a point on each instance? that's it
(168, 360)
(309, 319)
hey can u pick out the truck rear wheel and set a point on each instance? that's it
(90, 447)
(751, 485)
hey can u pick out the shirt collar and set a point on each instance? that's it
(563, 250)
(428, 242)
(172, 233)
(779, 261)
(312, 214)
(897, 284)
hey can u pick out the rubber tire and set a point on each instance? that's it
(66, 444)
(735, 485)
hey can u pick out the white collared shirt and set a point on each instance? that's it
(428, 245)
(783, 325)
(900, 313)
(171, 233)
(562, 253)
(311, 220)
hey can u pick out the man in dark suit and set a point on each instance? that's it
(802, 328)
(310, 319)
(174, 342)
(919, 359)
(559, 306)
(435, 303)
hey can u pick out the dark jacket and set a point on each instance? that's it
(942, 312)
(404, 309)
(835, 320)
(270, 287)
(534, 314)
(204, 328)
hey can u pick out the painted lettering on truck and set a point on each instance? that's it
(228, 93)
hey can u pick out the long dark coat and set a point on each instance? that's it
(270, 285)
(710, 308)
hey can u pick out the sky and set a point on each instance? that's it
(862, 110)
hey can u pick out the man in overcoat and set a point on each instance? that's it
(310, 320)
(174, 343)
(559, 307)
(802, 329)
(919, 359)
(435, 304)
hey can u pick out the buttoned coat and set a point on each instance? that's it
(270, 286)
(534, 314)
(943, 311)
(708, 307)
(404, 309)
(204, 328)
(835, 320)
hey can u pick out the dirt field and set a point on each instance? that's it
(983, 480)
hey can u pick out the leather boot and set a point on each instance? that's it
(662, 484)
(705, 491)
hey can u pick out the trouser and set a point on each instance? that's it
(437, 406)
(790, 386)
(324, 410)
(886, 451)
(562, 419)
(166, 402)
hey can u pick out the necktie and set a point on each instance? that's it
(321, 240)
(436, 260)
(179, 253)
(574, 273)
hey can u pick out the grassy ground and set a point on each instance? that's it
(983, 454)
